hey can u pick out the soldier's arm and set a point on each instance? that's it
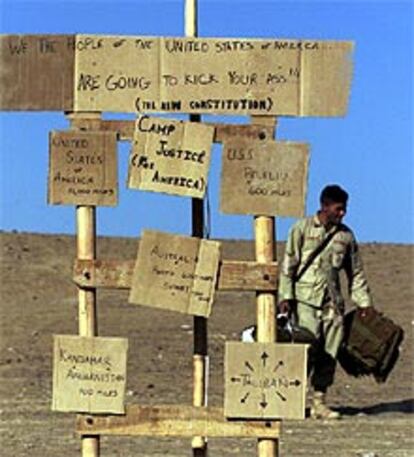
(290, 263)
(358, 285)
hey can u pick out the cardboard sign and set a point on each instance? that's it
(290, 77)
(37, 72)
(170, 156)
(89, 374)
(264, 178)
(83, 168)
(265, 380)
(175, 74)
(177, 273)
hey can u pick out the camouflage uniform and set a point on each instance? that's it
(320, 304)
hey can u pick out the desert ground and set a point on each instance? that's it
(39, 299)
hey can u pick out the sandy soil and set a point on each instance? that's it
(38, 299)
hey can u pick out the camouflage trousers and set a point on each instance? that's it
(327, 325)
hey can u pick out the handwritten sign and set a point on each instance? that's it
(37, 72)
(187, 75)
(265, 380)
(170, 156)
(177, 273)
(89, 374)
(83, 168)
(267, 178)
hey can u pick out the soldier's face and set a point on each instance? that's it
(334, 212)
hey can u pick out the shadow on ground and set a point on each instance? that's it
(403, 406)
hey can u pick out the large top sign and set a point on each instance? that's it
(190, 75)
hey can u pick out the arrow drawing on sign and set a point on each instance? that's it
(280, 364)
(295, 383)
(264, 356)
(281, 396)
(247, 364)
(263, 403)
(234, 379)
(243, 400)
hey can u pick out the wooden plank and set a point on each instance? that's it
(175, 421)
(233, 275)
(264, 131)
(222, 132)
(123, 128)
(107, 274)
(247, 275)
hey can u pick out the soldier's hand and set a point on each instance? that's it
(366, 312)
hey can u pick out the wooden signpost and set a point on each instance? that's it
(87, 74)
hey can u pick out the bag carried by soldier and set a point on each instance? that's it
(371, 344)
(287, 332)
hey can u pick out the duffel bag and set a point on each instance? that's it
(371, 344)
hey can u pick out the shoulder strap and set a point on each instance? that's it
(316, 252)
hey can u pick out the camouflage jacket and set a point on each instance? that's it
(321, 280)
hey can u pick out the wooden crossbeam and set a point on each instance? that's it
(222, 132)
(175, 421)
(233, 275)
(247, 275)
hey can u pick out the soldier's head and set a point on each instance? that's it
(333, 201)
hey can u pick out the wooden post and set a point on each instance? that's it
(200, 357)
(86, 250)
(264, 230)
(266, 303)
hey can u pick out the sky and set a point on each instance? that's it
(369, 152)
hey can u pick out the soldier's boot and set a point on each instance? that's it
(319, 410)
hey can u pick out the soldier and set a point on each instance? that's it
(321, 246)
